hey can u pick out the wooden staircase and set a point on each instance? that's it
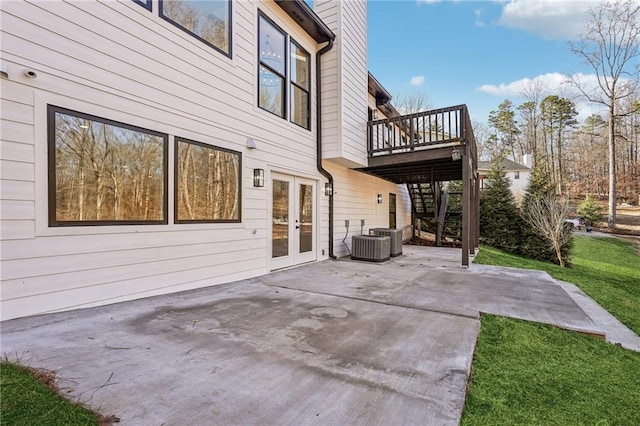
(438, 210)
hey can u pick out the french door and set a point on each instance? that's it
(293, 220)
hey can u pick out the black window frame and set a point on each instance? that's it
(288, 82)
(292, 83)
(284, 102)
(228, 54)
(147, 4)
(176, 158)
(51, 170)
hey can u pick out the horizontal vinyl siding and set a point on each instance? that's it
(345, 109)
(17, 161)
(119, 61)
(355, 86)
(331, 94)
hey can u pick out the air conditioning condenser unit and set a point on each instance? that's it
(396, 238)
(371, 248)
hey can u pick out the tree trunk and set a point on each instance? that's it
(612, 169)
(558, 250)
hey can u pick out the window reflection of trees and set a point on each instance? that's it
(104, 172)
(280, 217)
(272, 94)
(207, 184)
(208, 20)
(306, 218)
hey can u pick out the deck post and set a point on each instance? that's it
(476, 207)
(466, 201)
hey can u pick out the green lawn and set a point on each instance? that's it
(532, 374)
(26, 400)
(607, 269)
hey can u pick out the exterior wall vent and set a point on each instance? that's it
(370, 248)
(396, 238)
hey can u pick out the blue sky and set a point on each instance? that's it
(474, 52)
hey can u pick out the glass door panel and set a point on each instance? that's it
(280, 219)
(306, 218)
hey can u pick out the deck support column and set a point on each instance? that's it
(476, 215)
(466, 204)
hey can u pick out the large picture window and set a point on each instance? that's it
(104, 172)
(283, 75)
(207, 20)
(207, 183)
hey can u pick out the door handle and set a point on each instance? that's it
(297, 227)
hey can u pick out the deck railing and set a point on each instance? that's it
(421, 130)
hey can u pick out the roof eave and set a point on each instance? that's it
(300, 12)
(378, 91)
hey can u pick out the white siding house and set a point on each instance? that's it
(85, 82)
(518, 175)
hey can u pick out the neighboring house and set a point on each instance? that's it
(151, 147)
(518, 175)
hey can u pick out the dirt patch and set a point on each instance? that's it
(627, 222)
(428, 239)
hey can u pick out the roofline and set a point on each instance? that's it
(379, 92)
(486, 165)
(300, 12)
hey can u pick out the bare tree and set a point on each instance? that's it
(530, 118)
(610, 45)
(546, 214)
(409, 103)
(481, 133)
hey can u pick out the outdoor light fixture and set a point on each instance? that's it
(328, 189)
(251, 144)
(379, 198)
(258, 178)
(455, 155)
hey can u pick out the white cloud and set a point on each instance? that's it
(562, 19)
(417, 80)
(550, 83)
(479, 21)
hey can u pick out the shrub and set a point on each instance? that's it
(590, 211)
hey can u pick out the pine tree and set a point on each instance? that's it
(500, 223)
(590, 211)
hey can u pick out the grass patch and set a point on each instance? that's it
(29, 397)
(527, 373)
(607, 269)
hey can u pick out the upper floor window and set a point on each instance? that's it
(299, 64)
(207, 183)
(145, 3)
(103, 172)
(284, 74)
(516, 175)
(207, 20)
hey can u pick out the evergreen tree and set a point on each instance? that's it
(590, 210)
(500, 223)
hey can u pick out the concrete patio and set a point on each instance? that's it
(335, 342)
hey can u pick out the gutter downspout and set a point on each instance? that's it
(321, 169)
